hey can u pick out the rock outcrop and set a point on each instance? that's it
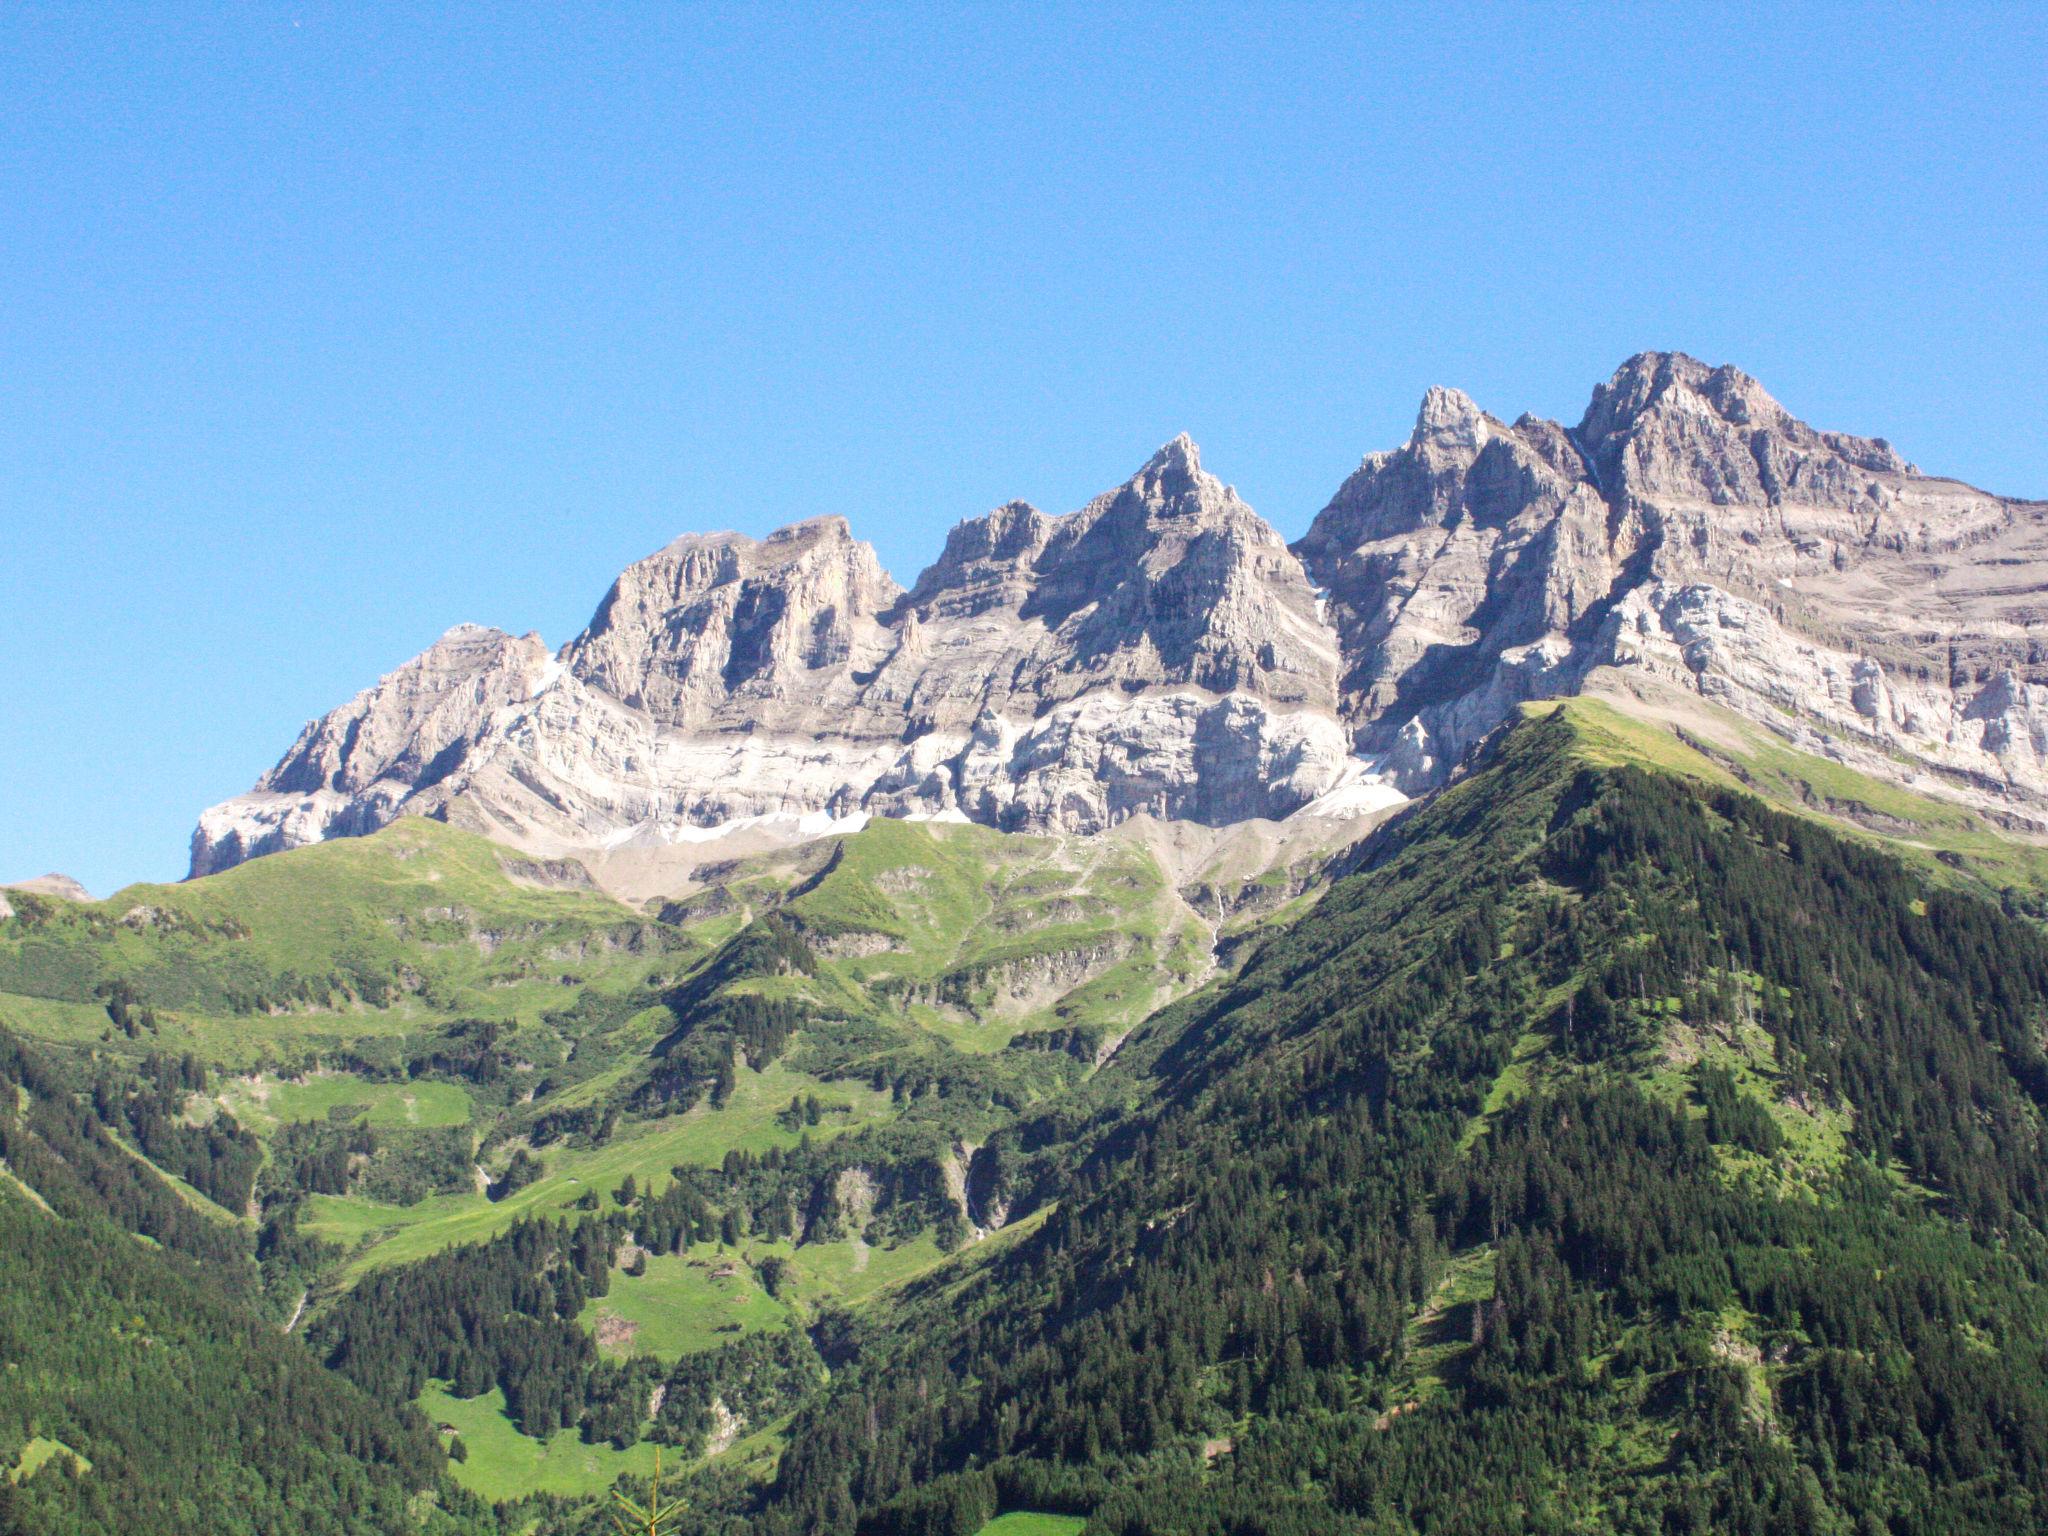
(1163, 652)
(389, 747)
(62, 887)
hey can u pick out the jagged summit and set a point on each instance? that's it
(1718, 434)
(1174, 481)
(1693, 533)
(1649, 379)
(1163, 650)
(1177, 456)
(1449, 422)
(1158, 650)
(700, 624)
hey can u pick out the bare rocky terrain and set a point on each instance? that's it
(1164, 653)
(63, 887)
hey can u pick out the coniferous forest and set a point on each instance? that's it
(1605, 1151)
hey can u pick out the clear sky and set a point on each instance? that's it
(324, 328)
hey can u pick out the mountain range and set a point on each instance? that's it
(1164, 652)
(1526, 1010)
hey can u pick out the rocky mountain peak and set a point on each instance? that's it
(1172, 486)
(700, 561)
(1669, 426)
(1173, 472)
(707, 619)
(1676, 381)
(1053, 566)
(415, 729)
(1449, 426)
(1162, 651)
(987, 563)
(1179, 453)
(1460, 465)
(1694, 531)
(415, 721)
(61, 886)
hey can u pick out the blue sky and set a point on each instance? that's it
(325, 328)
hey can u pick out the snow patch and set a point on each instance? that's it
(551, 673)
(802, 824)
(1360, 790)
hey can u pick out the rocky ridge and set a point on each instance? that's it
(1690, 534)
(1163, 651)
(62, 887)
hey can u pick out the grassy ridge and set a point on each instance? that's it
(1949, 842)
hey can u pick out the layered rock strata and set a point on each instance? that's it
(1163, 652)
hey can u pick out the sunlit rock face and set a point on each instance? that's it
(1689, 534)
(1163, 651)
(1159, 652)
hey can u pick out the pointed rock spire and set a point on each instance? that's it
(1449, 422)
(1180, 455)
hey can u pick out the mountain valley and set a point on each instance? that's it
(1522, 1010)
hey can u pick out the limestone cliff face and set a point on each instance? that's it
(1158, 651)
(1163, 651)
(719, 630)
(1691, 533)
(350, 772)
(1461, 569)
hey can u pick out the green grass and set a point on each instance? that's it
(756, 1456)
(1949, 842)
(684, 1303)
(1440, 1333)
(415, 884)
(1918, 825)
(39, 1452)
(318, 949)
(930, 939)
(261, 1102)
(1031, 1522)
(1513, 1083)
(1816, 1137)
(974, 911)
(53, 1019)
(1606, 737)
(503, 1464)
(12, 1180)
(909, 880)
(389, 1234)
(962, 1276)
(851, 1272)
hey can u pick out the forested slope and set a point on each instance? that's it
(1612, 1153)
(144, 1392)
(1608, 1151)
(381, 1090)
